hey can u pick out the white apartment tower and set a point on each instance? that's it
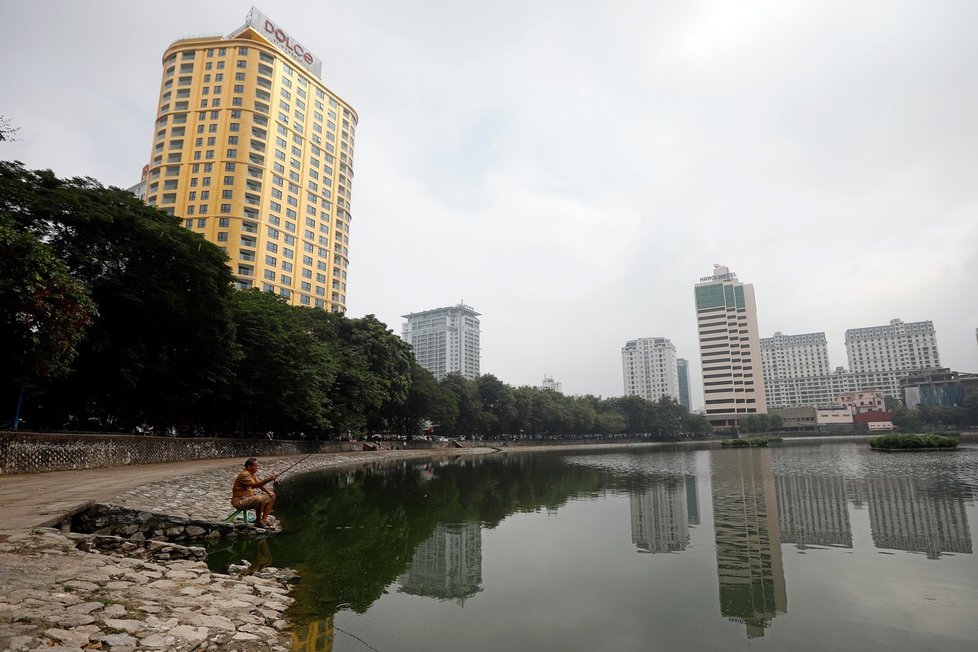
(794, 356)
(785, 357)
(730, 351)
(896, 347)
(445, 340)
(649, 368)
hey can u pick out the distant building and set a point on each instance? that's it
(838, 417)
(649, 368)
(548, 384)
(825, 390)
(139, 189)
(938, 387)
(896, 347)
(730, 356)
(445, 340)
(863, 401)
(799, 418)
(794, 356)
(682, 370)
(873, 421)
(786, 358)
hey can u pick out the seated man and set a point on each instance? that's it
(243, 494)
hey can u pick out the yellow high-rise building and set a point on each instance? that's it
(254, 153)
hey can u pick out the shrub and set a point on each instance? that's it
(912, 441)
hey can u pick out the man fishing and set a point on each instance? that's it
(243, 494)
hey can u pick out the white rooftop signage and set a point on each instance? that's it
(264, 26)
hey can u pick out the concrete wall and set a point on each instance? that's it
(24, 452)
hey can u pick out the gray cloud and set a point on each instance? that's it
(571, 169)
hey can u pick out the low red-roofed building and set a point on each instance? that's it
(873, 421)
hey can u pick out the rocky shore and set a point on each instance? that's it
(62, 590)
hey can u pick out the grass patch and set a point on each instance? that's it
(744, 442)
(905, 442)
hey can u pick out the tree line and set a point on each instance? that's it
(923, 417)
(114, 317)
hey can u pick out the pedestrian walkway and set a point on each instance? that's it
(37, 499)
(199, 489)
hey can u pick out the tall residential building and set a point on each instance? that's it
(255, 153)
(649, 368)
(445, 340)
(682, 370)
(726, 319)
(785, 358)
(896, 347)
(794, 356)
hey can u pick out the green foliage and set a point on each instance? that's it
(760, 422)
(158, 347)
(897, 441)
(282, 378)
(745, 442)
(45, 311)
(118, 318)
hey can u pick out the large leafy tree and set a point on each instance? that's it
(43, 312)
(373, 369)
(163, 341)
(471, 419)
(498, 405)
(282, 380)
(425, 400)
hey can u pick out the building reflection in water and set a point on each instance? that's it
(692, 500)
(748, 542)
(448, 564)
(314, 636)
(660, 516)
(812, 511)
(908, 515)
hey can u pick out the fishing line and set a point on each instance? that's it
(275, 483)
(356, 637)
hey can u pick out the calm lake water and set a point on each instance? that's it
(802, 546)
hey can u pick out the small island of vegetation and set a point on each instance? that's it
(743, 442)
(913, 442)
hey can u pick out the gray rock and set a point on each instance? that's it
(67, 637)
(216, 622)
(114, 611)
(164, 641)
(130, 626)
(116, 641)
(192, 634)
(74, 620)
(84, 607)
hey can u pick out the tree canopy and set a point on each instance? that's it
(116, 318)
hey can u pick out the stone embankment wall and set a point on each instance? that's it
(38, 452)
(139, 527)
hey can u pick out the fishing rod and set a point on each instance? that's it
(279, 475)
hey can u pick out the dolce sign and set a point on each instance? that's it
(283, 40)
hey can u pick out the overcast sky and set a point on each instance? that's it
(571, 168)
